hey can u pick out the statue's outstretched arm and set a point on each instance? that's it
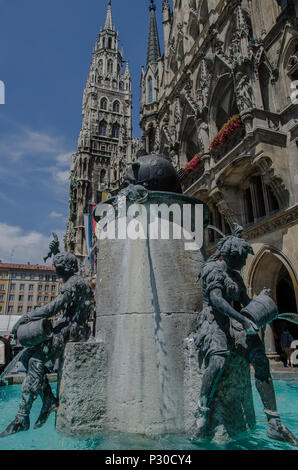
(51, 309)
(220, 304)
(47, 311)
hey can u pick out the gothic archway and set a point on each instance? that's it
(271, 268)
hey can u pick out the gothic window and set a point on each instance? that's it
(204, 13)
(151, 140)
(103, 128)
(217, 220)
(180, 52)
(115, 131)
(103, 42)
(248, 207)
(102, 176)
(100, 67)
(226, 107)
(110, 67)
(265, 86)
(104, 104)
(110, 43)
(272, 201)
(116, 106)
(150, 90)
(194, 28)
(121, 85)
(259, 200)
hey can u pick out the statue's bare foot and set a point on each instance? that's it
(45, 413)
(20, 423)
(276, 430)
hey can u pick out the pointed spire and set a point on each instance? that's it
(109, 19)
(127, 71)
(153, 53)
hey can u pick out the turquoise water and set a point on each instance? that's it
(47, 438)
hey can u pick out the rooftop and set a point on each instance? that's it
(28, 266)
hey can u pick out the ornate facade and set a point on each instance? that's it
(221, 102)
(105, 145)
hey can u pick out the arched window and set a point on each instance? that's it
(115, 131)
(265, 86)
(150, 90)
(104, 104)
(259, 200)
(103, 128)
(110, 42)
(227, 106)
(151, 140)
(204, 13)
(102, 176)
(110, 67)
(100, 67)
(116, 106)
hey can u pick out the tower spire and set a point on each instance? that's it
(153, 53)
(109, 19)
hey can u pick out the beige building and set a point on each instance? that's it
(221, 102)
(27, 286)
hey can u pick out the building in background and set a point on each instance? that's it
(25, 287)
(106, 145)
(4, 273)
(221, 103)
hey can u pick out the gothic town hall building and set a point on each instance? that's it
(219, 98)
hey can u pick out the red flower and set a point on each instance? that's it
(226, 131)
(192, 164)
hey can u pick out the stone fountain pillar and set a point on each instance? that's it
(148, 299)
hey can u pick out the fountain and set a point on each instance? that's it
(147, 302)
(142, 376)
(161, 306)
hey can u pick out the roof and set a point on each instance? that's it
(109, 21)
(29, 267)
(153, 52)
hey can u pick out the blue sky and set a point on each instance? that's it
(45, 53)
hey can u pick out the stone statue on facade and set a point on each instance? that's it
(226, 325)
(244, 92)
(45, 344)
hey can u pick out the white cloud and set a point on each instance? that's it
(27, 142)
(20, 246)
(62, 176)
(55, 214)
(40, 153)
(64, 159)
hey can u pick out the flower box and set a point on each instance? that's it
(226, 132)
(192, 164)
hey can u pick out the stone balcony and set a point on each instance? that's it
(261, 130)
